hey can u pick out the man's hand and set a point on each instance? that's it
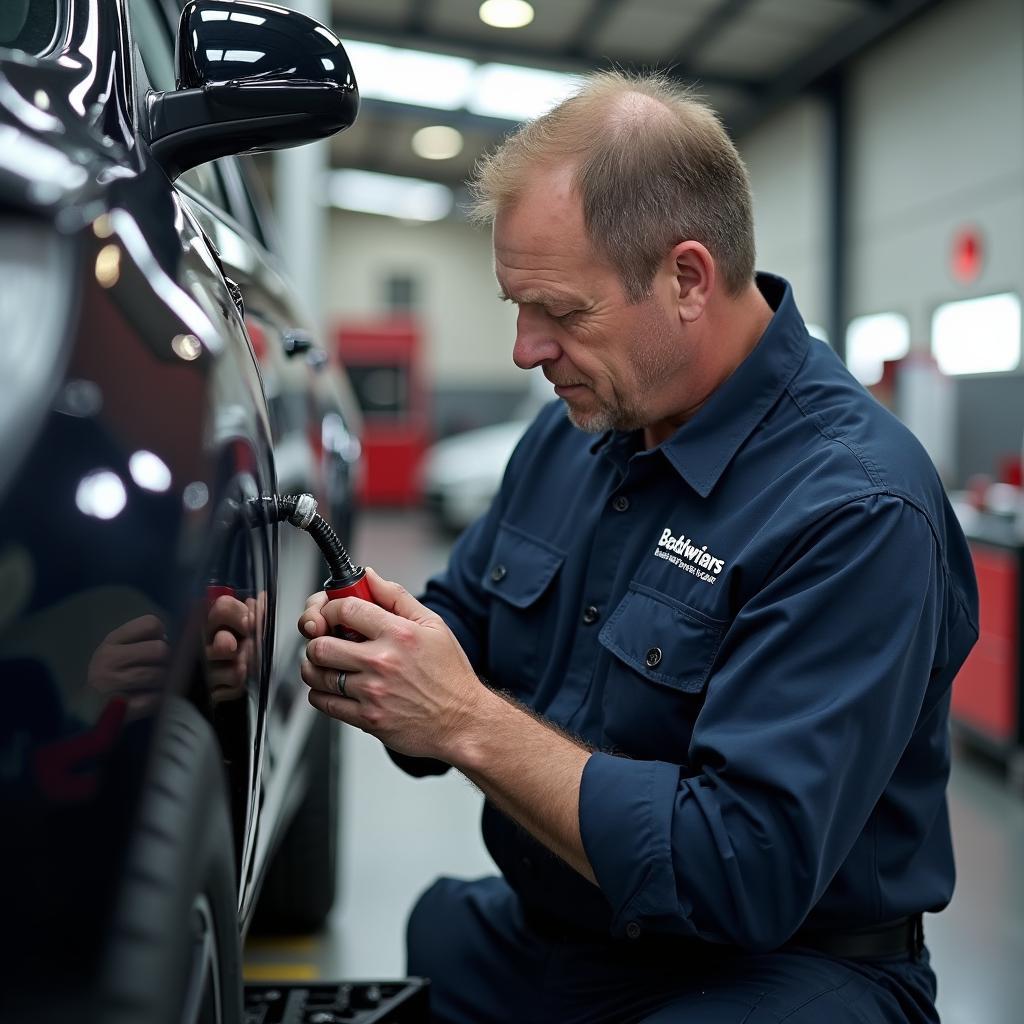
(131, 662)
(230, 627)
(409, 683)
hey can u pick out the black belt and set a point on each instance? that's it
(900, 938)
(904, 937)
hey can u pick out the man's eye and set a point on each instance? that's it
(563, 316)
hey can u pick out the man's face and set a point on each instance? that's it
(612, 362)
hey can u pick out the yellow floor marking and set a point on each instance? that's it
(283, 944)
(280, 972)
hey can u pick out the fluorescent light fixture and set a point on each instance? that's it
(450, 83)
(390, 195)
(327, 63)
(873, 339)
(978, 335)
(517, 93)
(437, 142)
(248, 19)
(244, 56)
(411, 76)
(506, 13)
(214, 15)
(328, 35)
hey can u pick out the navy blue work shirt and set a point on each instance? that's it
(756, 624)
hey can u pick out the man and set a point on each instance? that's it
(699, 663)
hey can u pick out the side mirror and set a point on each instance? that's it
(252, 76)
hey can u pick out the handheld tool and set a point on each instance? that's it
(347, 579)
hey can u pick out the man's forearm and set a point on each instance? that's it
(530, 771)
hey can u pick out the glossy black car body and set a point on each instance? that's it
(155, 376)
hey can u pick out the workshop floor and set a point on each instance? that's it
(398, 834)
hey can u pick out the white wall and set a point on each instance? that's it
(469, 331)
(937, 144)
(786, 160)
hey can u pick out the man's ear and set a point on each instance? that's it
(693, 270)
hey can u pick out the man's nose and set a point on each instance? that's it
(534, 344)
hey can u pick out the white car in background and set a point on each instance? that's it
(461, 474)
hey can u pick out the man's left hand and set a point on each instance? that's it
(409, 683)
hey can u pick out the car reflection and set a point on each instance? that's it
(132, 660)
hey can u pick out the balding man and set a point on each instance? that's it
(699, 661)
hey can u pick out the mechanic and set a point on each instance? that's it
(699, 662)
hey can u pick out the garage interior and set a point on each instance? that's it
(204, 329)
(885, 146)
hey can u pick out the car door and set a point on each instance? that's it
(249, 568)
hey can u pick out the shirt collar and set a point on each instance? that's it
(702, 448)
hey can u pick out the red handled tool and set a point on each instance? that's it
(347, 579)
(352, 584)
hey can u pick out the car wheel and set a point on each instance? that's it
(174, 946)
(300, 886)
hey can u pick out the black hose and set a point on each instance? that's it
(285, 508)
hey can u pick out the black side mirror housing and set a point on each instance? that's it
(252, 76)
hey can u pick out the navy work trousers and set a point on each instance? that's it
(489, 964)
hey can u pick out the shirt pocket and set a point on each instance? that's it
(519, 575)
(661, 655)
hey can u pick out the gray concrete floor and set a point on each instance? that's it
(398, 834)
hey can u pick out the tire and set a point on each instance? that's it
(174, 955)
(299, 890)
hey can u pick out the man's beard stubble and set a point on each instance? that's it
(653, 357)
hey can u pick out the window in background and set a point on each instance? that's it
(978, 335)
(401, 294)
(381, 390)
(873, 339)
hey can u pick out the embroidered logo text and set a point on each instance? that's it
(682, 552)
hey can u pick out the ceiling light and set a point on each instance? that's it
(187, 347)
(506, 13)
(411, 76)
(438, 142)
(108, 265)
(873, 340)
(195, 495)
(518, 93)
(149, 471)
(390, 195)
(101, 494)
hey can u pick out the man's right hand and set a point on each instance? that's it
(312, 622)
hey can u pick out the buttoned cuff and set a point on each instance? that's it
(626, 810)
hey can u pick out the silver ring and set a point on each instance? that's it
(341, 683)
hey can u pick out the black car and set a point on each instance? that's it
(160, 767)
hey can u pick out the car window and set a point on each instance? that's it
(29, 25)
(156, 48)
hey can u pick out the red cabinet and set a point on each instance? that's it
(384, 362)
(987, 694)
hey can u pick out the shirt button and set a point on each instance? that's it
(621, 503)
(590, 615)
(498, 573)
(633, 930)
(653, 657)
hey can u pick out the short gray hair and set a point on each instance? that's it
(653, 167)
